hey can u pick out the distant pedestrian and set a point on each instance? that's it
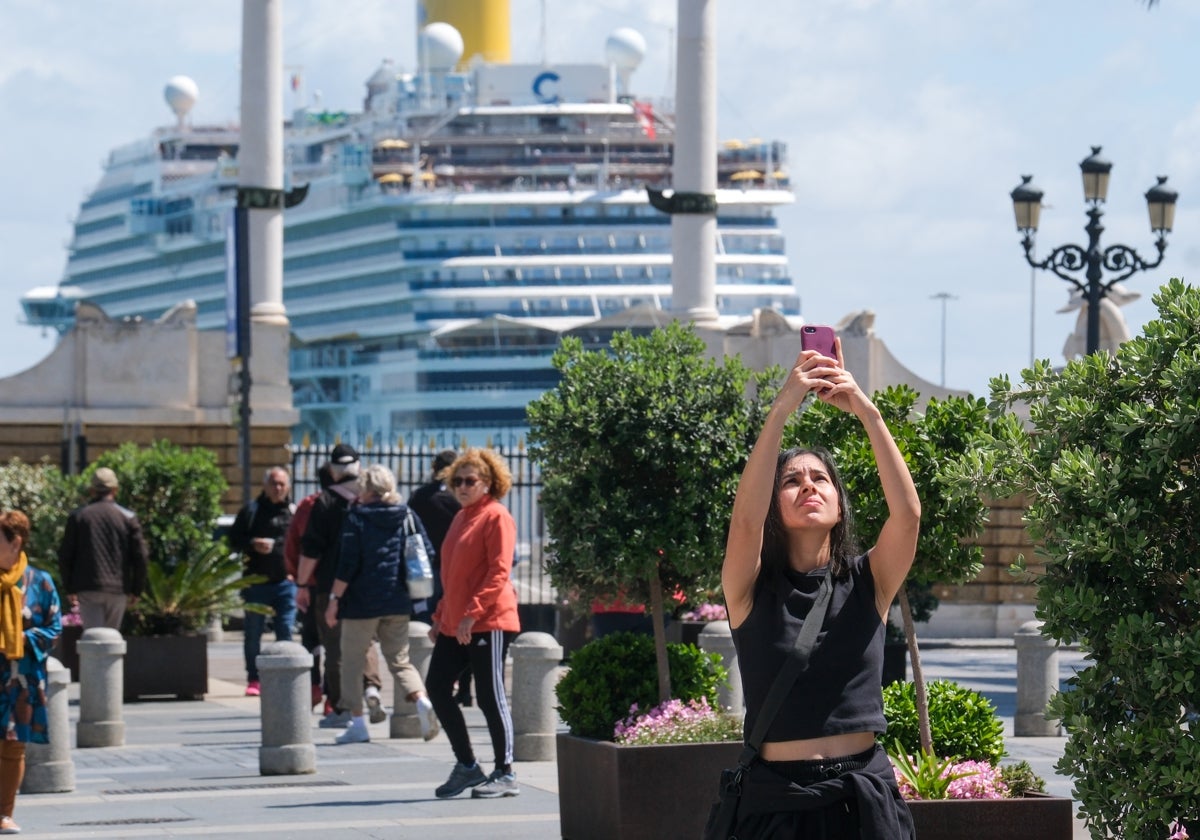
(102, 558)
(370, 597)
(309, 635)
(435, 505)
(258, 533)
(476, 621)
(320, 548)
(30, 621)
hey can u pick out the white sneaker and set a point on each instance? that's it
(375, 705)
(427, 718)
(356, 733)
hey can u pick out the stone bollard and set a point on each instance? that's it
(101, 689)
(1037, 681)
(404, 723)
(285, 670)
(48, 767)
(716, 637)
(535, 672)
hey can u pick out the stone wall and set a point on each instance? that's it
(996, 603)
(268, 447)
(110, 381)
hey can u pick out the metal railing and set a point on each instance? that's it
(413, 466)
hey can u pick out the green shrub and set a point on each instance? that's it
(964, 722)
(1110, 475)
(46, 496)
(183, 600)
(1020, 779)
(609, 675)
(176, 495)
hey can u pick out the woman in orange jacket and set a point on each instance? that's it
(476, 620)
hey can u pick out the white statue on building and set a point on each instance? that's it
(1113, 329)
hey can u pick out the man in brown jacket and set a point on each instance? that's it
(102, 558)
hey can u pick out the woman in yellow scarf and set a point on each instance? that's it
(29, 624)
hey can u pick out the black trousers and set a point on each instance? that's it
(485, 657)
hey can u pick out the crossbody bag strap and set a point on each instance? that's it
(795, 663)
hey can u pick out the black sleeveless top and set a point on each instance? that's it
(840, 691)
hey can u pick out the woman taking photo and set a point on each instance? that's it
(29, 624)
(819, 772)
(476, 620)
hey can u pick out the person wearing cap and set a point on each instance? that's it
(102, 558)
(320, 549)
(309, 635)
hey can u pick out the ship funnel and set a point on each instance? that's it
(484, 25)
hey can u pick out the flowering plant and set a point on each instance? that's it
(676, 722)
(71, 617)
(928, 777)
(706, 612)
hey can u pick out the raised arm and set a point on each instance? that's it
(892, 555)
(743, 547)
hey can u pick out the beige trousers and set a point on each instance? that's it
(357, 636)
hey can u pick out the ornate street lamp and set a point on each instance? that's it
(1068, 261)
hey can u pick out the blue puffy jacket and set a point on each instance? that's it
(371, 560)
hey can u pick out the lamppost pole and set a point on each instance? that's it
(1068, 261)
(943, 297)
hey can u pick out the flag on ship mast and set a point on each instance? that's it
(645, 118)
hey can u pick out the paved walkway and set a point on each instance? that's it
(190, 769)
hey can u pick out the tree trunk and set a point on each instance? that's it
(914, 655)
(660, 638)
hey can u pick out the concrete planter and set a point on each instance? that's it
(1033, 817)
(607, 792)
(166, 666)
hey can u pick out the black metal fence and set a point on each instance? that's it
(414, 466)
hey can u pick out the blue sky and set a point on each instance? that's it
(908, 124)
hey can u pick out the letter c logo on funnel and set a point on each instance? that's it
(545, 78)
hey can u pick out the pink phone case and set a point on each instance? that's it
(819, 338)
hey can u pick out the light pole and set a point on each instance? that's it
(1067, 261)
(943, 297)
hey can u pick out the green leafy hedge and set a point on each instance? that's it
(609, 675)
(964, 722)
(1112, 474)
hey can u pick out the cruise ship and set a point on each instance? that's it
(451, 232)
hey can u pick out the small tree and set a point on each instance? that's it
(641, 448)
(933, 444)
(1112, 473)
(175, 493)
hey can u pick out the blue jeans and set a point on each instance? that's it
(280, 597)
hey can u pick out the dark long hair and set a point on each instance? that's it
(843, 542)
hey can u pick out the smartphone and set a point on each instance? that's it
(819, 338)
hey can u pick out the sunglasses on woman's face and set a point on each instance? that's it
(469, 481)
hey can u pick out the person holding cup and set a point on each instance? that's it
(258, 533)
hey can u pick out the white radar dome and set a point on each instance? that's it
(181, 94)
(625, 48)
(441, 46)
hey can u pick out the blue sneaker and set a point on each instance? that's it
(461, 778)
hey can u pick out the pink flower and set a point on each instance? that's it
(706, 612)
(1179, 831)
